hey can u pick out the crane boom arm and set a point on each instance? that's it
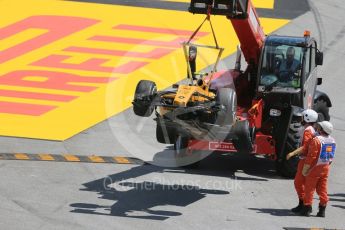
(244, 19)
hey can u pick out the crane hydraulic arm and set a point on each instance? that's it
(244, 19)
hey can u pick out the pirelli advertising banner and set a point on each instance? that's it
(66, 66)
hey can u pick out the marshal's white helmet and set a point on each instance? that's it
(309, 115)
(326, 126)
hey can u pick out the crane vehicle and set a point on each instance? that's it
(257, 110)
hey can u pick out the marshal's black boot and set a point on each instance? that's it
(306, 210)
(298, 208)
(321, 212)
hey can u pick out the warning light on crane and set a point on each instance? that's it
(306, 33)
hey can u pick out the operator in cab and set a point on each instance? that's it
(288, 67)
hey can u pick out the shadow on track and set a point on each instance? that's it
(337, 197)
(273, 211)
(140, 197)
(287, 212)
(339, 206)
(143, 199)
(227, 165)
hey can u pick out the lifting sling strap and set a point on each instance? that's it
(208, 18)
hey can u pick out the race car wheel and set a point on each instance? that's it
(143, 98)
(182, 159)
(180, 145)
(227, 100)
(243, 141)
(165, 134)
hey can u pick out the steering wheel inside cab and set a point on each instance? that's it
(286, 75)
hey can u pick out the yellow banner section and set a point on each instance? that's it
(268, 4)
(66, 66)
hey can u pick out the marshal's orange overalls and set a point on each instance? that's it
(308, 135)
(320, 155)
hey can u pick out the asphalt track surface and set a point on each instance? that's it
(227, 192)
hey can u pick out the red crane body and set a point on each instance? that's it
(246, 24)
(250, 34)
(244, 19)
(255, 111)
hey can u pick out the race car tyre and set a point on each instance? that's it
(165, 134)
(227, 100)
(143, 96)
(180, 145)
(182, 159)
(243, 141)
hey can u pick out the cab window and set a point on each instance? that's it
(281, 66)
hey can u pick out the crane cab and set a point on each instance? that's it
(287, 68)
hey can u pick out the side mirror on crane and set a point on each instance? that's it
(319, 57)
(319, 81)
